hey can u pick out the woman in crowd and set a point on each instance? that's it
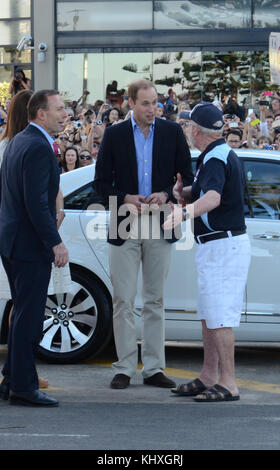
(19, 82)
(112, 116)
(70, 160)
(85, 158)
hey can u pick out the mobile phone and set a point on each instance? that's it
(250, 111)
(268, 93)
(255, 122)
(264, 103)
(232, 124)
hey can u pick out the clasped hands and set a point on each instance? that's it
(138, 204)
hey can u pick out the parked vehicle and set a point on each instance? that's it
(78, 324)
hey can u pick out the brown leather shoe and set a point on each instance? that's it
(159, 380)
(120, 381)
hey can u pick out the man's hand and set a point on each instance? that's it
(178, 189)
(135, 203)
(175, 217)
(61, 255)
(157, 198)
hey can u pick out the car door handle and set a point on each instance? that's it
(267, 236)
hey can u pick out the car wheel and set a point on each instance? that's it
(78, 323)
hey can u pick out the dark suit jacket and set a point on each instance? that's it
(29, 187)
(116, 171)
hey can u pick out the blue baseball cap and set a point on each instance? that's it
(160, 105)
(205, 115)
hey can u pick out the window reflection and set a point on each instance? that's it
(15, 9)
(266, 14)
(11, 55)
(193, 76)
(180, 71)
(227, 74)
(101, 16)
(11, 31)
(201, 14)
(7, 71)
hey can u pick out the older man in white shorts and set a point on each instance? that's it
(216, 200)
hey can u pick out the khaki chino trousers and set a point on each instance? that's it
(153, 252)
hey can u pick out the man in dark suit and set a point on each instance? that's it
(137, 163)
(29, 241)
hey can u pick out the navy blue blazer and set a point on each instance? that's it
(29, 185)
(116, 172)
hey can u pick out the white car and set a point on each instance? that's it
(81, 323)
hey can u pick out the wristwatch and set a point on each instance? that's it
(186, 215)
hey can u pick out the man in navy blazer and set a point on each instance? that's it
(137, 164)
(29, 240)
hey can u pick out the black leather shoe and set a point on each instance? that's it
(35, 398)
(120, 381)
(5, 389)
(159, 380)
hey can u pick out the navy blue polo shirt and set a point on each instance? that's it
(219, 169)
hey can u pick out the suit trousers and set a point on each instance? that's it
(29, 285)
(125, 260)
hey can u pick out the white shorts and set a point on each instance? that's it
(222, 267)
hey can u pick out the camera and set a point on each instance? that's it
(24, 43)
(42, 47)
(277, 130)
(18, 76)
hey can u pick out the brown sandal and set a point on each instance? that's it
(191, 389)
(217, 393)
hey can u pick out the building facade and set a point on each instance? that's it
(201, 49)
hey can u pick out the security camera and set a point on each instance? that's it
(24, 43)
(42, 47)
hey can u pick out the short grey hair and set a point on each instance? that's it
(212, 132)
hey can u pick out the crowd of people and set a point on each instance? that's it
(78, 145)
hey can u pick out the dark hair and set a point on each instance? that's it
(38, 101)
(106, 115)
(237, 132)
(63, 160)
(17, 118)
(134, 87)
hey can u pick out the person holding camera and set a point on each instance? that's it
(19, 82)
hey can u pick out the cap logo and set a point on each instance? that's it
(218, 124)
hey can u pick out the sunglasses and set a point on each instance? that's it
(85, 157)
(64, 139)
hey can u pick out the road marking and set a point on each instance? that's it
(191, 374)
(7, 434)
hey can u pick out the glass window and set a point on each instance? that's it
(124, 68)
(15, 9)
(234, 77)
(11, 31)
(263, 189)
(11, 55)
(84, 198)
(180, 71)
(201, 14)
(7, 71)
(105, 15)
(266, 14)
(227, 75)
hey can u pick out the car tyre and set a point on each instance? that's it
(77, 324)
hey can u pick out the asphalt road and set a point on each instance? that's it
(91, 416)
